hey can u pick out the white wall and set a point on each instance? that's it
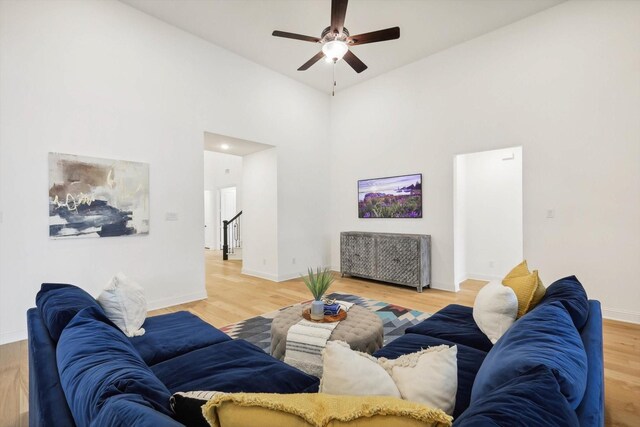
(488, 196)
(260, 215)
(565, 85)
(220, 171)
(99, 78)
(303, 193)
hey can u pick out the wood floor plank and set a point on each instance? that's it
(233, 297)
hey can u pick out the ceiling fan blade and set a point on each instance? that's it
(376, 36)
(295, 36)
(354, 61)
(318, 56)
(338, 12)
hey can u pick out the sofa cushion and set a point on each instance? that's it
(129, 410)
(454, 323)
(96, 362)
(58, 303)
(545, 336)
(570, 292)
(232, 366)
(469, 362)
(174, 334)
(532, 399)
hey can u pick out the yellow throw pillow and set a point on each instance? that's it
(527, 286)
(318, 410)
(538, 294)
(519, 270)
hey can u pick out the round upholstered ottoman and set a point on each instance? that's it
(362, 330)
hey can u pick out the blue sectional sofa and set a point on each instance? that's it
(546, 370)
(84, 371)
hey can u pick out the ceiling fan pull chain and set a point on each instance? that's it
(333, 88)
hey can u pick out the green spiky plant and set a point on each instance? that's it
(318, 282)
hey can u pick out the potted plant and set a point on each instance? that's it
(318, 283)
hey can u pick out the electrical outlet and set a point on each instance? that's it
(171, 216)
(264, 261)
(491, 264)
(551, 213)
(293, 260)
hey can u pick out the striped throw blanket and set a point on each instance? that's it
(306, 340)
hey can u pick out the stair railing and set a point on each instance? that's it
(231, 234)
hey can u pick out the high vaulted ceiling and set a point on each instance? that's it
(426, 27)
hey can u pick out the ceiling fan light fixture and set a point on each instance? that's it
(334, 50)
(336, 40)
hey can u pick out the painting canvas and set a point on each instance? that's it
(390, 197)
(92, 197)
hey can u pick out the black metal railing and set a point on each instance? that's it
(231, 238)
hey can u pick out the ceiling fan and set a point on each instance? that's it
(336, 40)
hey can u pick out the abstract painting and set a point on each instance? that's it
(391, 197)
(92, 197)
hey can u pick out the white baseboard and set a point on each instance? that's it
(180, 299)
(9, 337)
(621, 315)
(473, 276)
(442, 287)
(260, 274)
(272, 277)
(284, 277)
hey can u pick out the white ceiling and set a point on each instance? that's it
(426, 27)
(235, 146)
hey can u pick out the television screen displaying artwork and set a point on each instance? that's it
(391, 197)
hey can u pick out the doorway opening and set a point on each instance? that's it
(239, 192)
(223, 201)
(488, 219)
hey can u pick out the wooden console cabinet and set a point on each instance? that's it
(404, 259)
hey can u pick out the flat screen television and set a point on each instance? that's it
(390, 197)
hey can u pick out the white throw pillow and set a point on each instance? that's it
(124, 304)
(429, 376)
(352, 373)
(495, 309)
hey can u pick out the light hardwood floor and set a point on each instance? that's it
(233, 297)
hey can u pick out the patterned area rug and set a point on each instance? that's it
(395, 319)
